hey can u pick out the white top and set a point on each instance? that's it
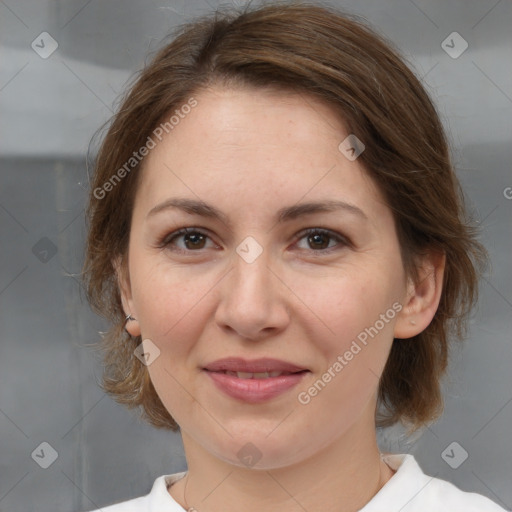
(408, 490)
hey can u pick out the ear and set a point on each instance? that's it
(123, 280)
(422, 297)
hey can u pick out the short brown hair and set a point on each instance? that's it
(338, 59)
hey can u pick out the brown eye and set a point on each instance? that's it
(186, 240)
(319, 240)
(194, 240)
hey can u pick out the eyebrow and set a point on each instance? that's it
(198, 207)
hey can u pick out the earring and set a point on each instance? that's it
(413, 322)
(128, 317)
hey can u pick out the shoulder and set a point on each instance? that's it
(158, 498)
(411, 490)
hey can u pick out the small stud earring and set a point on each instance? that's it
(128, 317)
(413, 322)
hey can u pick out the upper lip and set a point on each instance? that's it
(238, 364)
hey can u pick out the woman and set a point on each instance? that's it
(278, 238)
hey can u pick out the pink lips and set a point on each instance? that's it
(270, 377)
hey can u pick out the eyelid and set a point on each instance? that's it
(168, 238)
(341, 240)
(338, 237)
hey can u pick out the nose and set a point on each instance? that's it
(252, 300)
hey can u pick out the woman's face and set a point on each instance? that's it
(248, 281)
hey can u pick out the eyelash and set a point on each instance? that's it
(166, 241)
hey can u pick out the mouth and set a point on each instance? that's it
(255, 367)
(254, 381)
(258, 375)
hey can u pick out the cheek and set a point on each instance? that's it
(347, 310)
(168, 298)
(353, 333)
(173, 306)
(353, 354)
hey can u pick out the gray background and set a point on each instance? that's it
(50, 108)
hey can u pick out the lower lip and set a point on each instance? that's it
(254, 390)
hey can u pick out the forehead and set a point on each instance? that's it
(240, 117)
(254, 145)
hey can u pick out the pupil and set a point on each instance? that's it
(317, 240)
(194, 239)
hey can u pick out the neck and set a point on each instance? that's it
(342, 477)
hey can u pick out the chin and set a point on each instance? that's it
(256, 449)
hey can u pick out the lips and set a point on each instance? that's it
(257, 375)
(254, 381)
(255, 366)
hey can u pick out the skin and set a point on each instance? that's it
(250, 153)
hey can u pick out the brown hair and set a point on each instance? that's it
(317, 51)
